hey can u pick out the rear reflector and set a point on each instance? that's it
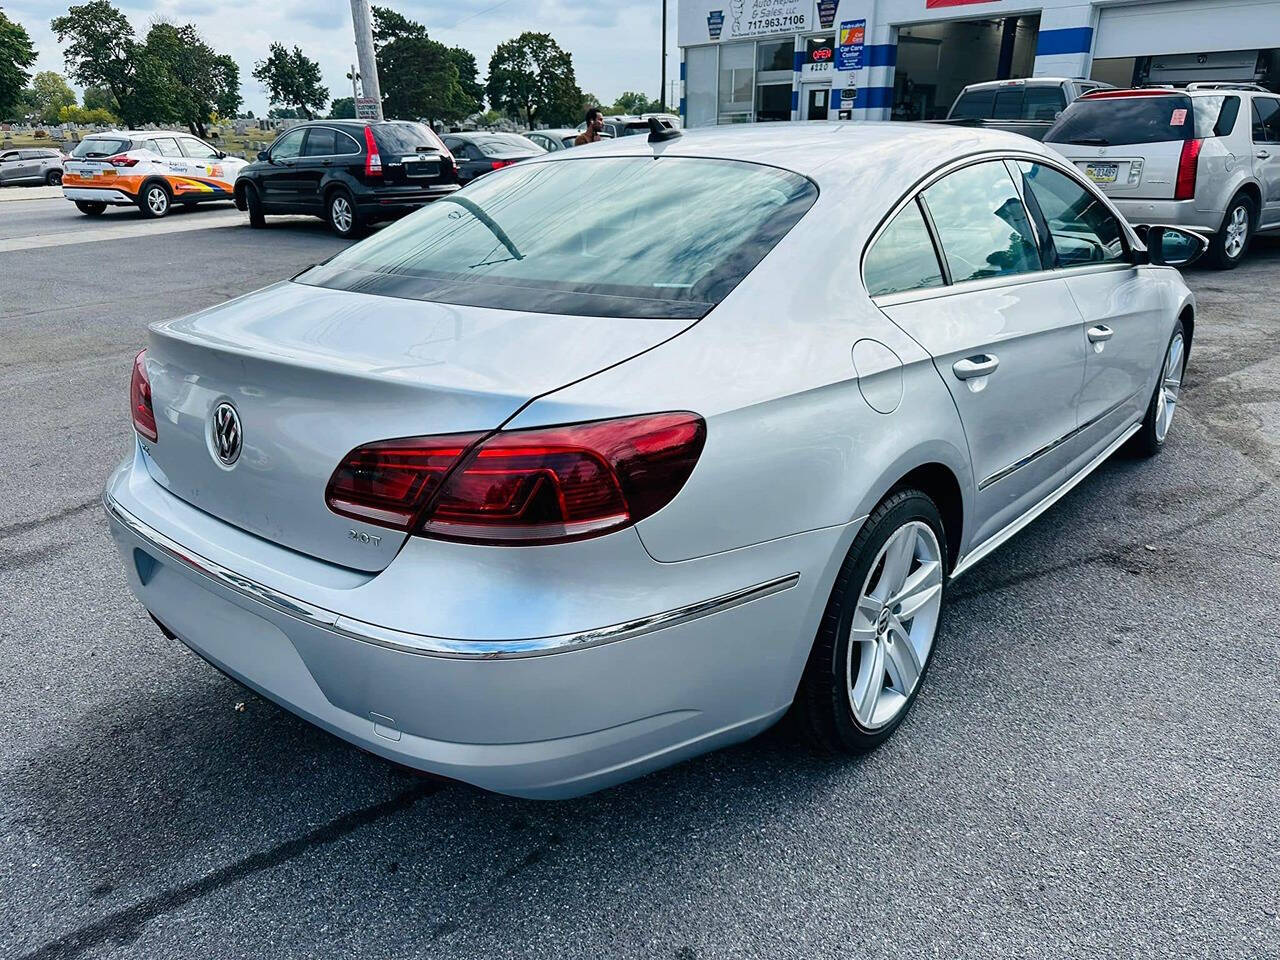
(372, 159)
(144, 417)
(1185, 187)
(524, 486)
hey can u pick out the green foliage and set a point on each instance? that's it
(201, 81)
(16, 55)
(421, 77)
(531, 79)
(631, 102)
(292, 78)
(344, 108)
(99, 98)
(97, 117)
(49, 94)
(100, 49)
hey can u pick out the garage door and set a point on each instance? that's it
(1187, 26)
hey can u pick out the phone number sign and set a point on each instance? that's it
(752, 18)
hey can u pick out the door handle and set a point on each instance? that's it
(1100, 334)
(1262, 154)
(981, 365)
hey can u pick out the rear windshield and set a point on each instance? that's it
(100, 147)
(405, 137)
(500, 143)
(1020, 102)
(1125, 120)
(663, 238)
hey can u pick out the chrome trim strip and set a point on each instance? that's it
(1051, 446)
(421, 644)
(991, 543)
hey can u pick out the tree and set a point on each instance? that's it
(99, 98)
(201, 81)
(421, 77)
(468, 80)
(389, 26)
(16, 55)
(344, 108)
(102, 50)
(631, 102)
(97, 117)
(531, 78)
(292, 78)
(283, 113)
(50, 93)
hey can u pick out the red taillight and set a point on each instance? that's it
(120, 160)
(372, 158)
(1185, 188)
(144, 417)
(1121, 94)
(499, 164)
(522, 486)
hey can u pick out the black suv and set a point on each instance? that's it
(350, 173)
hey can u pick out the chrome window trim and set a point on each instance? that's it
(421, 644)
(998, 539)
(929, 179)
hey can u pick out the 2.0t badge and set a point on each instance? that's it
(227, 437)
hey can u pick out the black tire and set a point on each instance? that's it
(150, 200)
(53, 178)
(1147, 442)
(346, 221)
(253, 204)
(822, 707)
(91, 208)
(1219, 257)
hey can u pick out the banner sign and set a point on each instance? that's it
(853, 35)
(827, 13)
(715, 23)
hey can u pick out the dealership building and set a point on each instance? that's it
(745, 61)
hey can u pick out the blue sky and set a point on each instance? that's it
(614, 45)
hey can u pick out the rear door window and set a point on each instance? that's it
(903, 258)
(1125, 120)
(1266, 120)
(197, 149)
(321, 142)
(981, 223)
(1080, 226)
(975, 103)
(1216, 116)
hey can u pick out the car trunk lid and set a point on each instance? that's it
(313, 373)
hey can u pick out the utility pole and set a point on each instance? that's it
(663, 94)
(362, 20)
(355, 89)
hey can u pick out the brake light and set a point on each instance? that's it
(120, 160)
(1188, 160)
(144, 416)
(372, 158)
(522, 486)
(499, 164)
(1120, 94)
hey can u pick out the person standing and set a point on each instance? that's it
(595, 123)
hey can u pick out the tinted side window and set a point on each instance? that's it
(321, 142)
(1083, 230)
(903, 257)
(1266, 120)
(290, 145)
(6, 157)
(975, 103)
(981, 223)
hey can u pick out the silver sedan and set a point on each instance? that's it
(542, 494)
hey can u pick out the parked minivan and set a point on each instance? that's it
(1206, 158)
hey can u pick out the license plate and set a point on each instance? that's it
(423, 168)
(1102, 172)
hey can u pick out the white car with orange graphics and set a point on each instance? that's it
(149, 169)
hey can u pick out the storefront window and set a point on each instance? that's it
(774, 79)
(773, 102)
(775, 55)
(700, 86)
(737, 79)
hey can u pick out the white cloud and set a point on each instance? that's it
(614, 45)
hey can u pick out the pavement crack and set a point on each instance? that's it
(27, 526)
(124, 926)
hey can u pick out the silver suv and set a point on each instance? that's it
(31, 165)
(1206, 158)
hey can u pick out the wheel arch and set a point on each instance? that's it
(1253, 191)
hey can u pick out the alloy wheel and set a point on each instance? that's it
(158, 201)
(1170, 383)
(55, 177)
(1237, 232)
(894, 624)
(340, 211)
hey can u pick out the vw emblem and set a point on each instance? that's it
(227, 436)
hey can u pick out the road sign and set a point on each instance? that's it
(367, 108)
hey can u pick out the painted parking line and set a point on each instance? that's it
(199, 220)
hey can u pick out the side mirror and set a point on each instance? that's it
(1173, 246)
(221, 155)
(263, 155)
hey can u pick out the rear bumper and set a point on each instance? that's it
(377, 206)
(1177, 213)
(100, 195)
(555, 714)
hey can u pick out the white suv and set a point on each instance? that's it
(1206, 158)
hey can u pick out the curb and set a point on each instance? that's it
(11, 194)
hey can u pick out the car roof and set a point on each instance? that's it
(485, 134)
(1031, 82)
(556, 132)
(825, 151)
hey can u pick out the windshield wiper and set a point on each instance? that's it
(484, 218)
(1091, 141)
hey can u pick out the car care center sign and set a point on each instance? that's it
(853, 37)
(755, 18)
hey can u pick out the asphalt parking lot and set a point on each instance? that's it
(1092, 770)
